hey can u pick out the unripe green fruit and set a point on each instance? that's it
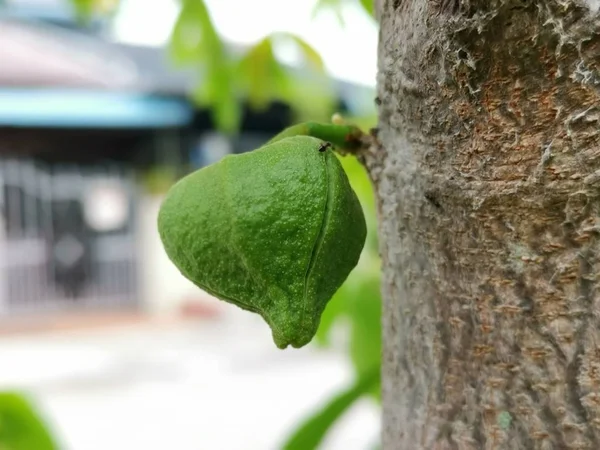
(275, 231)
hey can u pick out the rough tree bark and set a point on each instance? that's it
(488, 178)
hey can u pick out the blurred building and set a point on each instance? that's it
(76, 116)
(79, 116)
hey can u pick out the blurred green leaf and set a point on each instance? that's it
(84, 8)
(258, 75)
(310, 434)
(217, 90)
(365, 334)
(194, 40)
(359, 179)
(262, 75)
(368, 6)
(312, 100)
(185, 44)
(264, 78)
(20, 426)
(363, 187)
(309, 53)
(358, 300)
(336, 308)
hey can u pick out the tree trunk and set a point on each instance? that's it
(487, 179)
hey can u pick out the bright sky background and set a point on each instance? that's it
(350, 52)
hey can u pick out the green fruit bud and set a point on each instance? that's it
(275, 231)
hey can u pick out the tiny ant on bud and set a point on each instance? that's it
(324, 146)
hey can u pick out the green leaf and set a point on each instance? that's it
(85, 10)
(310, 54)
(264, 78)
(217, 90)
(368, 6)
(258, 75)
(311, 433)
(84, 7)
(359, 179)
(336, 308)
(20, 426)
(363, 187)
(262, 75)
(359, 300)
(312, 101)
(365, 313)
(227, 114)
(195, 41)
(185, 44)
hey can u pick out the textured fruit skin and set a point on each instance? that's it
(275, 231)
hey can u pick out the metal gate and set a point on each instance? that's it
(67, 237)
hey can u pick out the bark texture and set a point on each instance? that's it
(488, 183)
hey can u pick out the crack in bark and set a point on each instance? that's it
(525, 294)
(547, 415)
(574, 367)
(478, 434)
(516, 425)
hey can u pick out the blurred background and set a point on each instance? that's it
(104, 104)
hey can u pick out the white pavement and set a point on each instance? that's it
(205, 385)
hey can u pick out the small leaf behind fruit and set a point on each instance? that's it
(311, 433)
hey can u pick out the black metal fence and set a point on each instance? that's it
(67, 237)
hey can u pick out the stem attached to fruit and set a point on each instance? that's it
(346, 138)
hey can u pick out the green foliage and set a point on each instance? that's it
(311, 433)
(263, 76)
(84, 7)
(20, 426)
(275, 231)
(365, 309)
(255, 76)
(87, 9)
(194, 40)
(368, 6)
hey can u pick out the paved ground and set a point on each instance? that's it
(204, 385)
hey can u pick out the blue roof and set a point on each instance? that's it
(73, 108)
(65, 15)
